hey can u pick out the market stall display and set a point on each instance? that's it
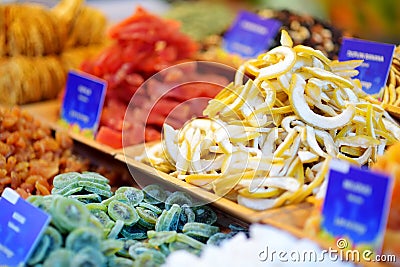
(143, 45)
(267, 142)
(93, 226)
(32, 41)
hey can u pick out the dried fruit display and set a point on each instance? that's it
(30, 156)
(92, 226)
(32, 40)
(267, 141)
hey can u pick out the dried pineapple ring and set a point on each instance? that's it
(281, 67)
(302, 109)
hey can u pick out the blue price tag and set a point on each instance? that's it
(83, 101)
(377, 60)
(250, 34)
(21, 225)
(357, 205)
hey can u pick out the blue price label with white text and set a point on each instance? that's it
(377, 57)
(21, 225)
(250, 34)
(356, 205)
(83, 100)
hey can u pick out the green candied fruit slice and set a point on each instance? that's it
(120, 262)
(40, 251)
(59, 258)
(120, 197)
(121, 211)
(145, 224)
(68, 214)
(205, 214)
(154, 194)
(187, 215)
(134, 195)
(175, 246)
(169, 219)
(94, 177)
(135, 232)
(87, 198)
(149, 260)
(139, 251)
(42, 202)
(127, 243)
(119, 224)
(56, 239)
(65, 179)
(237, 229)
(105, 187)
(189, 241)
(217, 239)
(83, 237)
(147, 215)
(103, 218)
(164, 249)
(158, 238)
(196, 229)
(151, 207)
(96, 206)
(96, 190)
(67, 191)
(179, 198)
(88, 256)
(111, 246)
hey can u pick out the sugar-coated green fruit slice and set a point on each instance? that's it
(134, 195)
(39, 253)
(96, 190)
(103, 218)
(59, 258)
(146, 259)
(55, 237)
(154, 194)
(94, 177)
(158, 238)
(169, 219)
(145, 224)
(87, 198)
(127, 244)
(151, 207)
(179, 198)
(42, 202)
(217, 239)
(88, 256)
(119, 224)
(105, 187)
(121, 211)
(205, 214)
(65, 179)
(96, 206)
(135, 231)
(67, 191)
(83, 237)
(175, 246)
(189, 241)
(147, 215)
(68, 214)
(120, 262)
(119, 197)
(164, 249)
(187, 215)
(237, 228)
(195, 229)
(111, 246)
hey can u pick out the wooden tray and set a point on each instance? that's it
(230, 207)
